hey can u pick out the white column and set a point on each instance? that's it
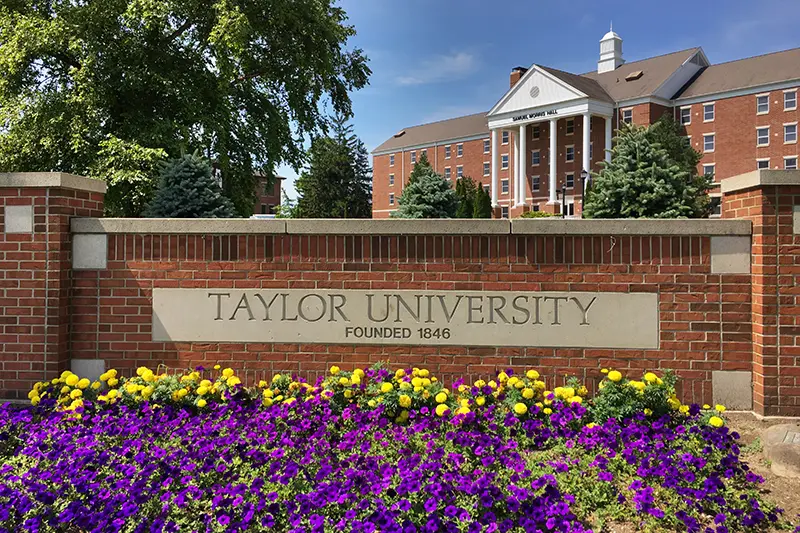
(515, 159)
(495, 173)
(523, 164)
(608, 139)
(587, 162)
(553, 158)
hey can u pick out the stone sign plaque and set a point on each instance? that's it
(470, 318)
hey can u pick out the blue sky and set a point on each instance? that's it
(437, 59)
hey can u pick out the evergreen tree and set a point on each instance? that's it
(428, 196)
(421, 168)
(466, 191)
(338, 181)
(642, 181)
(483, 204)
(187, 190)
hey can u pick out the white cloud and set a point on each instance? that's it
(441, 68)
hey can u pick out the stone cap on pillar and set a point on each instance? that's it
(53, 180)
(760, 178)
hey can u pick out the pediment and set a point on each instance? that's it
(537, 88)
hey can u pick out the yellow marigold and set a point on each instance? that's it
(425, 394)
(683, 409)
(141, 370)
(348, 393)
(343, 381)
(77, 393)
(638, 385)
(674, 403)
(442, 409)
(112, 373)
(130, 388)
(547, 410)
(463, 388)
(261, 384)
(464, 402)
(648, 411)
(72, 380)
(539, 385)
(441, 397)
(480, 400)
(32, 393)
(233, 380)
(426, 382)
(355, 378)
(720, 408)
(532, 374)
(228, 372)
(415, 371)
(716, 421)
(147, 391)
(650, 377)
(528, 394)
(104, 376)
(604, 370)
(202, 391)
(113, 393)
(149, 377)
(386, 387)
(290, 401)
(575, 399)
(417, 382)
(405, 385)
(334, 370)
(358, 372)
(95, 385)
(480, 383)
(84, 383)
(424, 373)
(520, 408)
(615, 376)
(583, 391)
(511, 380)
(217, 367)
(462, 410)
(591, 425)
(112, 382)
(201, 403)
(503, 377)
(706, 406)
(493, 384)
(181, 393)
(76, 403)
(267, 402)
(35, 400)
(399, 373)
(404, 400)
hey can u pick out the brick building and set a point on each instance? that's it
(742, 115)
(268, 197)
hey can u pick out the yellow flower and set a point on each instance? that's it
(355, 378)
(72, 380)
(503, 377)
(650, 377)
(493, 384)
(423, 373)
(113, 393)
(683, 409)
(480, 383)
(233, 380)
(147, 391)
(348, 393)
(217, 367)
(674, 403)
(386, 387)
(716, 421)
(462, 410)
(82, 384)
(130, 388)
(267, 402)
(343, 381)
(77, 393)
(141, 370)
(648, 411)
(583, 391)
(112, 382)
(547, 410)
(575, 399)
(104, 376)
(706, 406)
(360, 373)
(442, 409)
(35, 400)
(372, 403)
(32, 393)
(150, 377)
(591, 425)
(201, 403)
(463, 388)
(267, 393)
(511, 381)
(399, 374)
(720, 408)
(405, 385)
(76, 403)
(528, 394)
(180, 393)
(480, 400)
(417, 382)
(441, 397)
(426, 382)
(95, 385)
(538, 385)
(202, 391)
(615, 376)
(228, 372)
(520, 408)
(604, 370)
(532, 374)
(404, 400)
(261, 384)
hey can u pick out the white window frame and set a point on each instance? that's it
(487, 168)
(424, 152)
(460, 150)
(591, 151)
(504, 212)
(391, 180)
(487, 146)
(459, 172)
(786, 158)
(504, 186)
(487, 188)
(680, 116)
(447, 173)
(566, 180)
(536, 183)
(758, 137)
(713, 111)
(762, 95)
(762, 160)
(716, 215)
(689, 140)
(447, 151)
(391, 160)
(712, 166)
(504, 137)
(623, 112)
(785, 133)
(787, 92)
(538, 156)
(413, 157)
(504, 162)
(537, 131)
(567, 125)
(391, 198)
(566, 153)
(713, 136)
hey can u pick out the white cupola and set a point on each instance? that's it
(610, 52)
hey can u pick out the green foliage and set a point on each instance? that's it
(244, 83)
(466, 191)
(428, 196)
(643, 180)
(536, 214)
(288, 207)
(338, 181)
(483, 204)
(421, 168)
(187, 190)
(625, 398)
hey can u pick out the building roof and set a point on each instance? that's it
(443, 130)
(655, 71)
(745, 73)
(586, 85)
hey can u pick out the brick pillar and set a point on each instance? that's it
(35, 272)
(771, 200)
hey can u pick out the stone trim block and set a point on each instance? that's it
(185, 226)
(730, 255)
(18, 219)
(55, 180)
(760, 178)
(733, 389)
(557, 226)
(89, 252)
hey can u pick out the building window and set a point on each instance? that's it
(537, 131)
(505, 137)
(688, 140)
(686, 116)
(708, 170)
(536, 157)
(570, 180)
(708, 112)
(762, 104)
(762, 136)
(459, 172)
(708, 142)
(790, 100)
(413, 158)
(570, 154)
(536, 183)
(459, 150)
(487, 169)
(504, 186)
(570, 126)
(391, 198)
(487, 146)
(627, 116)
(716, 207)
(504, 212)
(447, 173)
(391, 179)
(423, 153)
(591, 151)
(790, 133)
(487, 188)
(790, 163)
(571, 209)
(535, 208)
(391, 160)
(762, 163)
(504, 161)
(447, 152)
(264, 209)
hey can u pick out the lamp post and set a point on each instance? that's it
(584, 177)
(564, 199)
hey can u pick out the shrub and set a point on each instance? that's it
(537, 214)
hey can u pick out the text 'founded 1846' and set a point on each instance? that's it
(540, 319)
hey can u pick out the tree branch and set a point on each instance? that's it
(180, 30)
(66, 59)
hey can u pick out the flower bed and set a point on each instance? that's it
(367, 452)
